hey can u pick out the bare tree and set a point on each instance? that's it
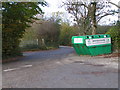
(80, 12)
(48, 32)
(88, 14)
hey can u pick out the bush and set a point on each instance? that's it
(30, 47)
(115, 35)
(66, 33)
(103, 29)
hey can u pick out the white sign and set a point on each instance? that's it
(78, 40)
(90, 42)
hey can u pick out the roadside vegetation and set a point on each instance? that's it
(23, 30)
(16, 17)
(115, 35)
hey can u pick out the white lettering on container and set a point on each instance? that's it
(90, 42)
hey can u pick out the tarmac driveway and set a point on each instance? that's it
(61, 68)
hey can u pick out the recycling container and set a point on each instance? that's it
(92, 44)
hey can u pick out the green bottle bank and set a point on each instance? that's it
(92, 44)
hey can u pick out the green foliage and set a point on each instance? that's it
(103, 29)
(48, 32)
(67, 32)
(16, 18)
(30, 47)
(43, 33)
(30, 34)
(115, 34)
(29, 37)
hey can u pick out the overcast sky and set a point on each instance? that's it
(54, 6)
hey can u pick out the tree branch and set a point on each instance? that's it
(114, 4)
(80, 4)
(104, 16)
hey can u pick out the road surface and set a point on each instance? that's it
(60, 68)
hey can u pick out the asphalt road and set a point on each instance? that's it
(60, 68)
(38, 57)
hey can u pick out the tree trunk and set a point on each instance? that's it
(94, 27)
(41, 43)
(84, 29)
(93, 17)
